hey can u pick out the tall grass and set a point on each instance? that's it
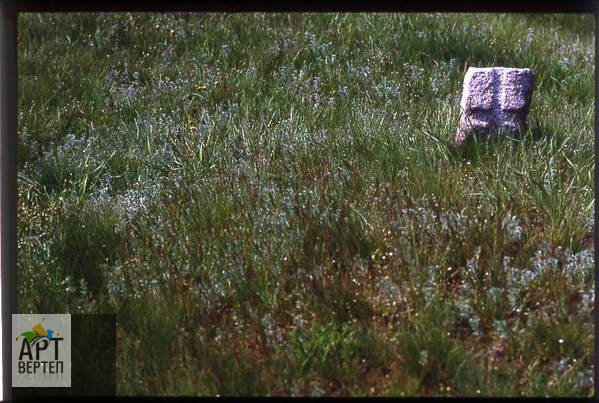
(272, 204)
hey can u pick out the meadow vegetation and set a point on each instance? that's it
(272, 204)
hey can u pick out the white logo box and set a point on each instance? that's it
(41, 350)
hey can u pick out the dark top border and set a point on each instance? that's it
(535, 6)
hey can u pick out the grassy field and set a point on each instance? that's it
(272, 204)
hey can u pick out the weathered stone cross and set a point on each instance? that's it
(495, 99)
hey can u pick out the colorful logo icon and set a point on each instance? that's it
(38, 333)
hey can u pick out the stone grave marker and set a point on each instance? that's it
(494, 100)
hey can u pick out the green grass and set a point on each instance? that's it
(272, 204)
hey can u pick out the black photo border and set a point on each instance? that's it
(9, 10)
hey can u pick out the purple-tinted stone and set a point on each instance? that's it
(494, 99)
(480, 96)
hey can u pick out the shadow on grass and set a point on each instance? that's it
(480, 146)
